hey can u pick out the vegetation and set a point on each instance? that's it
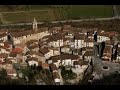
(67, 74)
(10, 14)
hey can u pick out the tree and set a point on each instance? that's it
(3, 73)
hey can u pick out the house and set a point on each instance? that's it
(47, 54)
(68, 59)
(65, 49)
(30, 54)
(88, 55)
(32, 61)
(33, 47)
(11, 73)
(76, 64)
(117, 59)
(55, 51)
(56, 78)
(66, 28)
(53, 68)
(56, 29)
(54, 59)
(12, 55)
(81, 64)
(3, 36)
(88, 42)
(3, 56)
(79, 40)
(103, 36)
(57, 40)
(107, 52)
(45, 66)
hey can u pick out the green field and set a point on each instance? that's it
(118, 8)
(90, 11)
(52, 12)
(27, 16)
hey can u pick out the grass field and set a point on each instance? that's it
(27, 16)
(90, 11)
(53, 12)
(118, 8)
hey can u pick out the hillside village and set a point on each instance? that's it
(57, 55)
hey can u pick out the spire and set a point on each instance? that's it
(34, 20)
(35, 24)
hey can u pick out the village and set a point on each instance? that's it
(56, 56)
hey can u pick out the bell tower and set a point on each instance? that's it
(35, 26)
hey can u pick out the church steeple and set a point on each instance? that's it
(35, 27)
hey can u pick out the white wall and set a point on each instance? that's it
(32, 63)
(118, 59)
(102, 38)
(79, 43)
(48, 55)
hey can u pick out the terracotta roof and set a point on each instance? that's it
(109, 42)
(89, 40)
(89, 48)
(32, 58)
(77, 51)
(8, 60)
(1, 41)
(2, 35)
(107, 49)
(40, 63)
(80, 36)
(17, 50)
(113, 33)
(76, 63)
(3, 55)
(69, 56)
(44, 50)
(88, 53)
(20, 34)
(55, 58)
(45, 65)
(33, 46)
(84, 49)
(11, 71)
(40, 43)
(13, 54)
(104, 34)
(65, 27)
(83, 62)
(30, 52)
(56, 75)
(53, 67)
(31, 42)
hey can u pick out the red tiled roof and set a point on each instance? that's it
(17, 50)
(45, 65)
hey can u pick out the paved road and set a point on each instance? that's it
(116, 16)
(97, 19)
